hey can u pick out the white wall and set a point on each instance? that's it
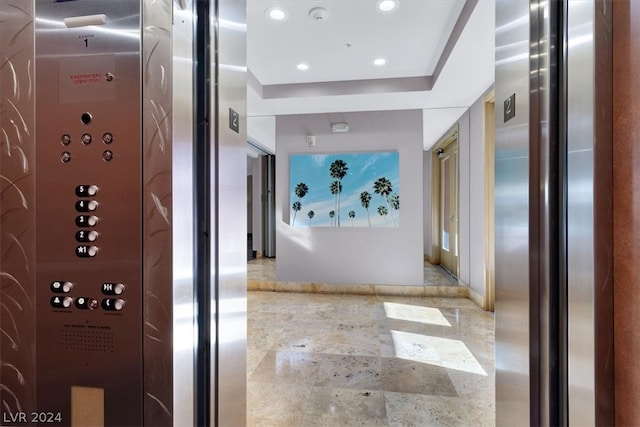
(476, 217)
(347, 255)
(471, 227)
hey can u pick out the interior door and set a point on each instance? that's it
(449, 208)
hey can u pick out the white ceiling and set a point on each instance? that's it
(342, 78)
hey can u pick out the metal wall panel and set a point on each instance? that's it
(183, 214)
(17, 207)
(589, 204)
(230, 160)
(158, 217)
(513, 327)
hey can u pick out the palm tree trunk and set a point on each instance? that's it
(368, 217)
(294, 218)
(338, 210)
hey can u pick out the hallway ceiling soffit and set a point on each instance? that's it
(440, 58)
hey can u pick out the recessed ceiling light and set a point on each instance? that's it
(380, 62)
(302, 66)
(277, 14)
(387, 6)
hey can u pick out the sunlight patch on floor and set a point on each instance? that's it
(413, 313)
(444, 352)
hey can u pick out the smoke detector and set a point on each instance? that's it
(319, 14)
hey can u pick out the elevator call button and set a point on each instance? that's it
(86, 205)
(84, 251)
(85, 303)
(86, 190)
(61, 302)
(65, 139)
(112, 288)
(62, 287)
(86, 220)
(86, 236)
(111, 304)
(86, 139)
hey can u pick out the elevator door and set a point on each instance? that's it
(449, 208)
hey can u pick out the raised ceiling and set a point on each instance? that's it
(439, 58)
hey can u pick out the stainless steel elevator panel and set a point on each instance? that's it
(158, 211)
(589, 214)
(17, 208)
(230, 218)
(97, 183)
(183, 214)
(89, 283)
(512, 206)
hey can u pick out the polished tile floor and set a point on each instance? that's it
(368, 360)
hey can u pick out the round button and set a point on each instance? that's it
(65, 139)
(118, 304)
(65, 157)
(92, 190)
(92, 251)
(118, 289)
(107, 156)
(92, 205)
(67, 301)
(107, 138)
(86, 139)
(92, 236)
(67, 286)
(86, 118)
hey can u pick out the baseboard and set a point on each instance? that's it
(476, 298)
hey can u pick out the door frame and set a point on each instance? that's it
(489, 205)
(449, 137)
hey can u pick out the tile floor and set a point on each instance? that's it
(368, 360)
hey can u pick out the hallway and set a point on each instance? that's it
(348, 360)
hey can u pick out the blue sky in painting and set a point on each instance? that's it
(364, 170)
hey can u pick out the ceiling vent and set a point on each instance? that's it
(319, 14)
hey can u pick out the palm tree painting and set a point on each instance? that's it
(383, 211)
(338, 170)
(300, 191)
(384, 187)
(296, 208)
(365, 200)
(346, 184)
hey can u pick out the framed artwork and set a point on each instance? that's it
(344, 190)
